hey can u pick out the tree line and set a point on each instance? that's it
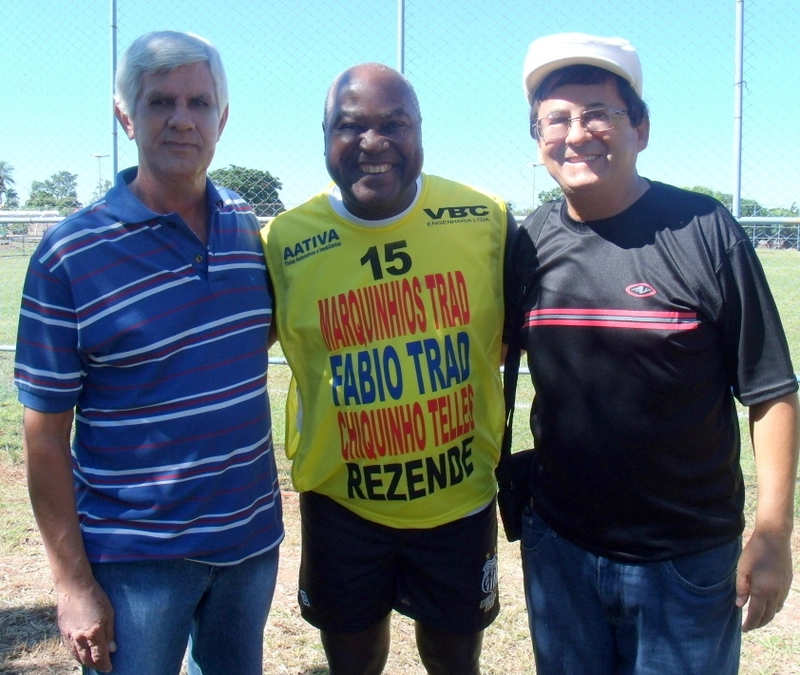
(261, 190)
(60, 191)
(748, 207)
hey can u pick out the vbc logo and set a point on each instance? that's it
(479, 211)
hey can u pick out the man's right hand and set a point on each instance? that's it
(86, 621)
(85, 615)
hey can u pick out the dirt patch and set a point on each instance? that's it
(30, 645)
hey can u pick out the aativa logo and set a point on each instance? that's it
(454, 212)
(307, 247)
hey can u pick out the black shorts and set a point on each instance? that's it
(353, 572)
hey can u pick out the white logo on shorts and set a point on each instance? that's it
(304, 598)
(489, 584)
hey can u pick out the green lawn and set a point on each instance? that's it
(773, 650)
(782, 268)
(12, 274)
(783, 271)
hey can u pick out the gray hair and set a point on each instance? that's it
(161, 52)
(331, 96)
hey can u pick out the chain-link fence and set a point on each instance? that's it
(464, 58)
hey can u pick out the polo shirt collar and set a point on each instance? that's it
(127, 208)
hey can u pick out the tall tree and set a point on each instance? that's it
(103, 186)
(550, 195)
(747, 207)
(8, 196)
(59, 192)
(258, 188)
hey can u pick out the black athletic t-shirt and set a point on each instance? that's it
(639, 330)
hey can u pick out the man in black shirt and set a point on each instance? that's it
(644, 311)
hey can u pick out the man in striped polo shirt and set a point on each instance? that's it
(144, 320)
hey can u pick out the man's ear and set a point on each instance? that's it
(222, 122)
(125, 121)
(643, 134)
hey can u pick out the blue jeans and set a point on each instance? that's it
(595, 616)
(161, 605)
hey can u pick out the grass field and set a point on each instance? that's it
(28, 638)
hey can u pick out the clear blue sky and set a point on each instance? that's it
(464, 58)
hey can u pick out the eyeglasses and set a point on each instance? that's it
(555, 127)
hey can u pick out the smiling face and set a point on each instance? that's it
(373, 142)
(176, 124)
(595, 167)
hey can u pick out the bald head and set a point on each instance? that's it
(347, 77)
(373, 140)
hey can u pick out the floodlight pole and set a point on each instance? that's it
(100, 159)
(737, 110)
(401, 36)
(534, 166)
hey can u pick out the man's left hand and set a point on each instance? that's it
(764, 577)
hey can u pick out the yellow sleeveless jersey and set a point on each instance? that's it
(393, 335)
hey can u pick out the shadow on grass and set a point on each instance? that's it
(316, 670)
(24, 629)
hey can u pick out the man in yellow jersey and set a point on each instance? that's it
(388, 289)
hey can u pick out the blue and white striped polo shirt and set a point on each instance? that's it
(160, 344)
